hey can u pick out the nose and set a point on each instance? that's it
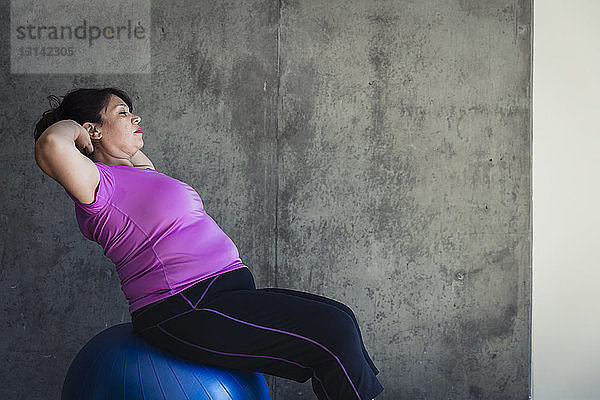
(137, 119)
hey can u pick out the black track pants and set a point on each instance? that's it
(225, 321)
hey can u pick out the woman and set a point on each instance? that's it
(187, 288)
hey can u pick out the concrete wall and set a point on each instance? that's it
(374, 152)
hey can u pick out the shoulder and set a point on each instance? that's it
(102, 193)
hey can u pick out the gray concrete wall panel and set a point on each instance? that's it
(377, 153)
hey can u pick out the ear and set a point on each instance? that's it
(92, 130)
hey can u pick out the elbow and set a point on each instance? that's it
(41, 154)
(45, 147)
(39, 150)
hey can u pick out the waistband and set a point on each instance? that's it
(240, 278)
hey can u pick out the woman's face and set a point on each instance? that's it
(121, 136)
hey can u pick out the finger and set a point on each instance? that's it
(83, 149)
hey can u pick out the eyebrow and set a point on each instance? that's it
(121, 105)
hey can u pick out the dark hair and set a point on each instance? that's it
(80, 105)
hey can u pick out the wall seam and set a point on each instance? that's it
(277, 152)
(274, 380)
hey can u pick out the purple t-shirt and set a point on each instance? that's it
(155, 230)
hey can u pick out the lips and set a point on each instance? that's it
(138, 131)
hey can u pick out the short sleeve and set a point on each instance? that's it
(103, 194)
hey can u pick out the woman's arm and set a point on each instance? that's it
(58, 154)
(140, 160)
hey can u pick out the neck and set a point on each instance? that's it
(110, 160)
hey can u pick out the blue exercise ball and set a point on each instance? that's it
(117, 363)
